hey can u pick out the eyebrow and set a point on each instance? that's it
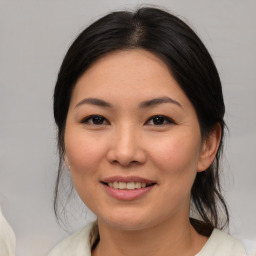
(94, 101)
(144, 104)
(158, 101)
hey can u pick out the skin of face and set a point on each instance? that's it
(127, 139)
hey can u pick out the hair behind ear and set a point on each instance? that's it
(210, 146)
(206, 196)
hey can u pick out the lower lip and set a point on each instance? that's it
(126, 194)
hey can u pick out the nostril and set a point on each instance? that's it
(126, 157)
(125, 162)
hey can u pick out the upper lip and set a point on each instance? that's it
(127, 179)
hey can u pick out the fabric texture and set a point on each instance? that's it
(218, 244)
(7, 238)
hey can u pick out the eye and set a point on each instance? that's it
(159, 120)
(95, 120)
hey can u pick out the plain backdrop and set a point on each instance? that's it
(34, 36)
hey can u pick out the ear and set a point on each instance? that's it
(209, 148)
(67, 162)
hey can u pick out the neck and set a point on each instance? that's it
(172, 238)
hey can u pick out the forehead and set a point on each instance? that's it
(127, 74)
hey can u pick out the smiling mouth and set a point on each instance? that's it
(128, 185)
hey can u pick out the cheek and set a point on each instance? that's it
(83, 153)
(176, 161)
(176, 155)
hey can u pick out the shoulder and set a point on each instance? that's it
(7, 237)
(76, 244)
(220, 243)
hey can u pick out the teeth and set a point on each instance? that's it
(115, 184)
(127, 185)
(138, 185)
(130, 185)
(122, 185)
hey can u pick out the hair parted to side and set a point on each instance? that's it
(169, 38)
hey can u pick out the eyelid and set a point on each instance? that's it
(166, 118)
(90, 117)
(86, 120)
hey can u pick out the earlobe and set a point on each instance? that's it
(209, 148)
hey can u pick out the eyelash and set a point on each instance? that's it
(95, 117)
(101, 119)
(165, 119)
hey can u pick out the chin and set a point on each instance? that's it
(128, 222)
(132, 226)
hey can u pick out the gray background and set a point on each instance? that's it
(34, 36)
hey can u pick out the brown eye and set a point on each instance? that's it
(159, 120)
(95, 120)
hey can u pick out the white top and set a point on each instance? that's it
(218, 244)
(7, 238)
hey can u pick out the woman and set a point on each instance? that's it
(139, 109)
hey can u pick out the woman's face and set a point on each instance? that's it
(132, 141)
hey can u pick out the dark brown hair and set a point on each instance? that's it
(169, 38)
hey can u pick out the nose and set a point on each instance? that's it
(126, 148)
